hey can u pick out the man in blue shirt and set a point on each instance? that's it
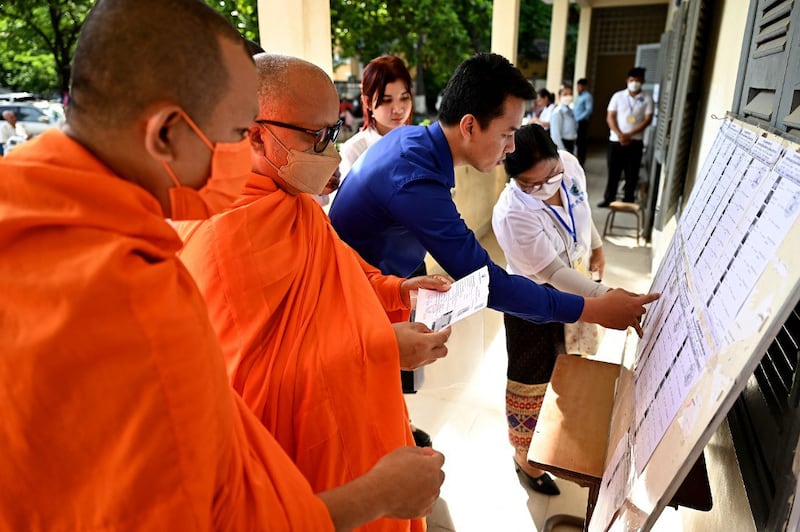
(395, 203)
(584, 105)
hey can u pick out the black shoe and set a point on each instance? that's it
(543, 484)
(603, 204)
(422, 438)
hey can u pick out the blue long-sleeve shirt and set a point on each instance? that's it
(395, 204)
(584, 105)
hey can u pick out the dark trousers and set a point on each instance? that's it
(407, 378)
(569, 145)
(582, 142)
(627, 158)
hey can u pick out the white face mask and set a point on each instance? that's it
(547, 191)
(634, 86)
(307, 171)
(566, 100)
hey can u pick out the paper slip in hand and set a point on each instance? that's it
(466, 296)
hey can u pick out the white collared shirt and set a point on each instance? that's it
(625, 105)
(528, 233)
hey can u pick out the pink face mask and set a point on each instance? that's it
(230, 167)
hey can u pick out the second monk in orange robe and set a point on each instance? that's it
(301, 318)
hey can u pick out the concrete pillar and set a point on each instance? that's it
(505, 28)
(558, 41)
(301, 28)
(582, 50)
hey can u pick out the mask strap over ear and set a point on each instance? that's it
(171, 174)
(197, 130)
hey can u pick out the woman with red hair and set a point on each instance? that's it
(387, 101)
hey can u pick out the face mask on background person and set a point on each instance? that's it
(306, 171)
(230, 166)
(547, 190)
(634, 86)
(566, 100)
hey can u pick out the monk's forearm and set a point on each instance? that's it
(355, 504)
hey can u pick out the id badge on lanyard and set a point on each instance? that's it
(578, 259)
(575, 252)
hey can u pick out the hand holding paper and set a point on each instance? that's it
(466, 296)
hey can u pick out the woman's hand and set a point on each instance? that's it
(597, 262)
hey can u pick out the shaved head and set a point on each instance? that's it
(132, 53)
(293, 91)
(287, 83)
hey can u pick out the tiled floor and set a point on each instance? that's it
(462, 405)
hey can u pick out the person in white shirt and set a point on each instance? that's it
(12, 132)
(629, 113)
(543, 223)
(387, 102)
(563, 126)
(544, 101)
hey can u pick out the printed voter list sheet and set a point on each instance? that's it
(466, 296)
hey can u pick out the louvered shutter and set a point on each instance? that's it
(765, 424)
(769, 94)
(680, 132)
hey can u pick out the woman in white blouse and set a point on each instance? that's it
(387, 102)
(543, 223)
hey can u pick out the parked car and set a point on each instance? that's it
(35, 120)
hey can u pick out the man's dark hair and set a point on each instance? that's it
(583, 82)
(480, 86)
(533, 145)
(636, 72)
(131, 53)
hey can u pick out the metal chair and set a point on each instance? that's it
(624, 207)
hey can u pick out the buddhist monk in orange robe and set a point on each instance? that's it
(301, 317)
(116, 410)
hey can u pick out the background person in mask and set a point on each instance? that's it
(301, 317)
(563, 127)
(629, 113)
(543, 223)
(113, 392)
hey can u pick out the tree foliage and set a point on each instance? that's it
(37, 40)
(432, 35)
(534, 29)
(37, 37)
(242, 14)
(534, 32)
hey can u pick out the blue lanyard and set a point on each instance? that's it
(571, 230)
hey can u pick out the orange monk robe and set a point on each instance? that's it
(304, 333)
(116, 410)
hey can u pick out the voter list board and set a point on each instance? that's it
(728, 280)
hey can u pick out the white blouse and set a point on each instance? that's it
(532, 237)
(352, 149)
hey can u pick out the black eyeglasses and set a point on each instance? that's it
(322, 136)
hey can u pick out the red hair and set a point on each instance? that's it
(377, 74)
